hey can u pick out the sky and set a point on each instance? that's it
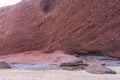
(8, 2)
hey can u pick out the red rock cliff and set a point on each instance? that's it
(80, 26)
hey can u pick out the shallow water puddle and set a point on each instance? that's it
(34, 67)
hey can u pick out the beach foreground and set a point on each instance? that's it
(56, 75)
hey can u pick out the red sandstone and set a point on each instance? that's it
(75, 26)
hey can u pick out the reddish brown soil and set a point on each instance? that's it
(75, 26)
(37, 57)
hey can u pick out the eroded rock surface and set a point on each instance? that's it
(89, 66)
(75, 26)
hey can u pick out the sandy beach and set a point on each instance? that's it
(56, 75)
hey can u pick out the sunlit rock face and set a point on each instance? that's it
(75, 26)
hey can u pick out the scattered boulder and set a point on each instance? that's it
(4, 65)
(73, 66)
(89, 66)
(99, 69)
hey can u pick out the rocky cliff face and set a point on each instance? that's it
(75, 26)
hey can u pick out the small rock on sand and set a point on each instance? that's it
(4, 65)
